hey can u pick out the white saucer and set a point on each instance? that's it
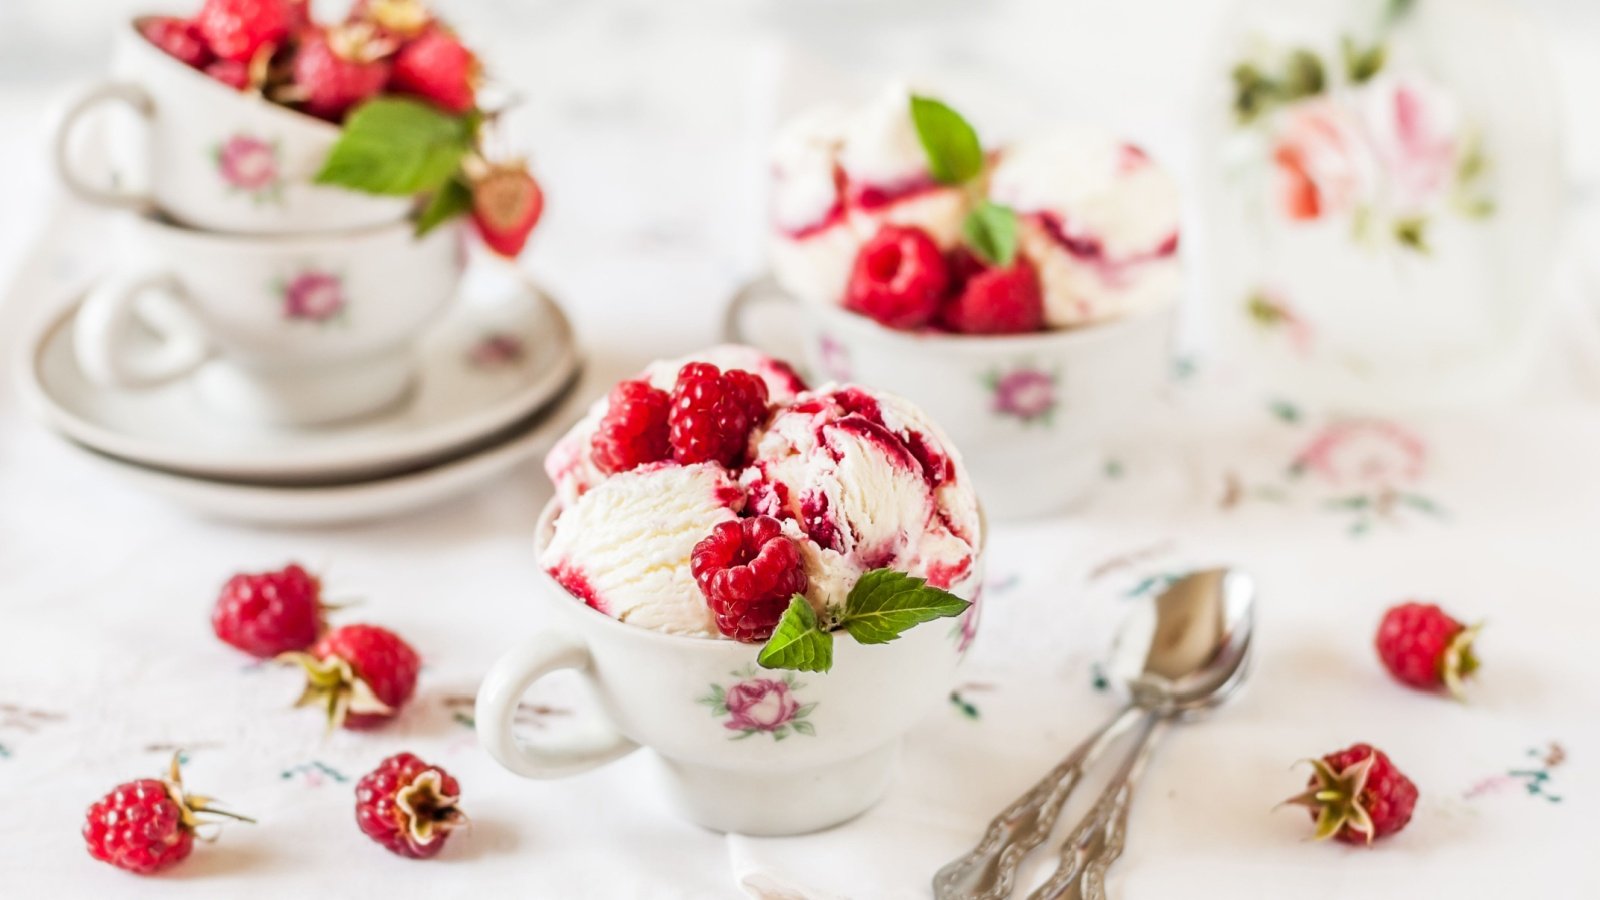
(337, 504)
(503, 351)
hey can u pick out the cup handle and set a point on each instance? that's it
(502, 691)
(123, 92)
(762, 291)
(103, 332)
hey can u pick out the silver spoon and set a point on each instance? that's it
(1180, 653)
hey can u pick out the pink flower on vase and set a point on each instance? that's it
(1364, 453)
(1025, 393)
(1321, 161)
(249, 164)
(757, 705)
(1416, 131)
(313, 296)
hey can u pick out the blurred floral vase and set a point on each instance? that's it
(1381, 190)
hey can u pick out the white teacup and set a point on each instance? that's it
(1033, 413)
(741, 749)
(283, 330)
(215, 158)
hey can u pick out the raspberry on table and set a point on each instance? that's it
(146, 825)
(899, 278)
(713, 412)
(997, 300)
(270, 613)
(408, 806)
(1357, 795)
(360, 674)
(634, 429)
(1423, 646)
(748, 570)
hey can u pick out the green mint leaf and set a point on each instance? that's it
(885, 603)
(798, 642)
(449, 201)
(397, 148)
(991, 231)
(951, 144)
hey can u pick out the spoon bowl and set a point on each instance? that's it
(1188, 648)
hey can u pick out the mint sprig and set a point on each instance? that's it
(883, 605)
(991, 232)
(950, 142)
(398, 148)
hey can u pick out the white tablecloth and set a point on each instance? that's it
(110, 663)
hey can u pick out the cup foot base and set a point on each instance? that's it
(309, 397)
(761, 804)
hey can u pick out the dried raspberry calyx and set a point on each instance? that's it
(333, 685)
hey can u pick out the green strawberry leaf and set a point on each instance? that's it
(885, 603)
(951, 144)
(798, 642)
(451, 200)
(991, 232)
(398, 148)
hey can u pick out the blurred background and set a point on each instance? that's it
(647, 121)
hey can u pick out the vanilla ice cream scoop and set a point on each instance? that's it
(570, 463)
(863, 480)
(624, 546)
(1098, 220)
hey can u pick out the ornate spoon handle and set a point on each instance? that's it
(988, 871)
(1116, 830)
(1075, 851)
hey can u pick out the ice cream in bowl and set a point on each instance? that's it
(764, 584)
(1021, 294)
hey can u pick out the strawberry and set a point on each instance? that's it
(146, 825)
(506, 205)
(238, 30)
(178, 38)
(1422, 646)
(337, 68)
(360, 674)
(1357, 795)
(437, 68)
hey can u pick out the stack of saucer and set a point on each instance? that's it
(272, 349)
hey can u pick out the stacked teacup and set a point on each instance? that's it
(286, 299)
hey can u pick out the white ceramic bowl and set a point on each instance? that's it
(1032, 414)
(742, 749)
(214, 158)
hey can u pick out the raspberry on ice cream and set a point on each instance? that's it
(748, 570)
(624, 546)
(1098, 220)
(572, 464)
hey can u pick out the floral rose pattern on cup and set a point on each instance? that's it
(760, 705)
(835, 359)
(497, 350)
(250, 164)
(1025, 393)
(313, 296)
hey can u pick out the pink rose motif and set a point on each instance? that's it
(1364, 453)
(1415, 127)
(1026, 394)
(1321, 161)
(313, 296)
(497, 350)
(760, 705)
(249, 164)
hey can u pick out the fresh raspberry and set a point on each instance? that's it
(997, 301)
(146, 825)
(437, 68)
(1422, 646)
(178, 38)
(408, 806)
(233, 74)
(335, 69)
(1357, 795)
(270, 613)
(634, 429)
(713, 412)
(899, 278)
(506, 205)
(238, 29)
(748, 571)
(360, 674)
